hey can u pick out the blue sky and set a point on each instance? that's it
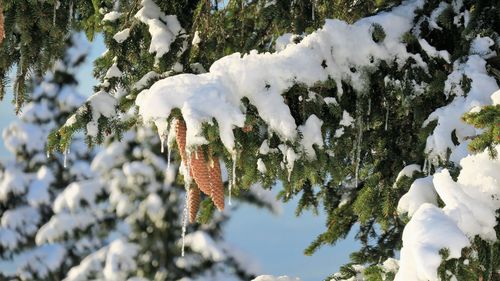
(275, 241)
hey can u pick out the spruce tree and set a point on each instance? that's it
(30, 182)
(357, 112)
(131, 217)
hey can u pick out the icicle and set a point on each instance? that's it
(312, 8)
(386, 118)
(184, 223)
(358, 153)
(54, 17)
(70, 9)
(369, 106)
(162, 144)
(65, 161)
(168, 157)
(56, 7)
(429, 167)
(233, 181)
(48, 154)
(170, 141)
(425, 166)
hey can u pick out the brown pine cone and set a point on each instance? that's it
(180, 137)
(199, 171)
(217, 187)
(194, 202)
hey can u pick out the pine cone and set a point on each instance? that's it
(194, 202)
(2, 28)
(180, 137)
(216, 184)
(199, 171)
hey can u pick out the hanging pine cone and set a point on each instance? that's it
(180, 137)
(194, 202)
(2, 28)
(199, 171)
(217, 187)
(206, 174)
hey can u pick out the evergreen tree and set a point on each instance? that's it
(133, 210)
(30, 182)
(346, 117)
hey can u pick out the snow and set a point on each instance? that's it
(23, 219)
(284, 41)
(421, 191)
(30, 135)
(120, 260)
(422, 241)
(275, 278)
(63, 224)
(9, 239)
(261, 167)
(162, 35)
(38, 190)
(262, 78)
(111, 16)
(37, 262)
(470, 206)
(347, 120)
(495, 98)
(145, 80)
(200, 242)
(482, 46)
(102, 104)
(267, 197)
(330, 100)
(435, 14)
(473, 200)
(78, 195)
(449, 116)
(408, 171)
(88, 266)
(13, 183)
(432, 52)
(114, 71)
(121, 36)
(311, 135)
(196, 38)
